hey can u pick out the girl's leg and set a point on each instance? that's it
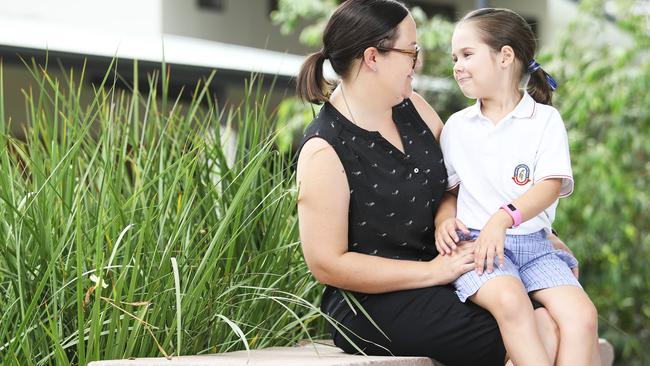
(548, 332)
(577, 318)
(506, 298)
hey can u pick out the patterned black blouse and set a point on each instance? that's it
(393, 195)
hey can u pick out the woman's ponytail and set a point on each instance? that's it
(311, 84)
(354, 26)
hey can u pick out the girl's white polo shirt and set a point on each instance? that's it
(495, 164)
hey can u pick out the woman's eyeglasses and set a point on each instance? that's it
(413, 53)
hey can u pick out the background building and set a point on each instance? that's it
(195, 36)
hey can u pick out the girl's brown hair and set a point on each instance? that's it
(354, 26)
(504, 27)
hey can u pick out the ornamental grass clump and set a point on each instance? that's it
(139, 225)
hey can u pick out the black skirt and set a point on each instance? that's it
(429, 322)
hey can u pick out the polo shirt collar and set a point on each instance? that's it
(524, 109)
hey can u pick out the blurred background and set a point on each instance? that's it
(598, 51)
(269, 37)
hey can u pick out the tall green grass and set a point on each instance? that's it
(128, 230)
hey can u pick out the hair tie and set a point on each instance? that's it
(534, 66)
(323, 54)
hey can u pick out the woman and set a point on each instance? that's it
(371, 178)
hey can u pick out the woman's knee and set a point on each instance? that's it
(546, 325)
(548, 331)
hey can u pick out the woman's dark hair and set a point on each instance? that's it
(504, 27)
(354, 26)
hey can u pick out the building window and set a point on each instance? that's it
(213, 5)
(273, 5)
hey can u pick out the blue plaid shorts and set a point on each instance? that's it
(529, 257)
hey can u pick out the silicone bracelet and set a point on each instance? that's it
(513, 212)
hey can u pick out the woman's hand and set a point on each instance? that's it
(458, 262)
(446, 237)
(490, 242)
(559, 244)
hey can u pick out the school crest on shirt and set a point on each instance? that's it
(522, 175)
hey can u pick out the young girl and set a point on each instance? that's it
(508, 158)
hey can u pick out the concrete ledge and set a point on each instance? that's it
(606, 353)
(304, 354)
(318, 354)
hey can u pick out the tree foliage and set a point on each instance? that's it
(604, 102)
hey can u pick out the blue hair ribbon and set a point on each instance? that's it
(534, 66)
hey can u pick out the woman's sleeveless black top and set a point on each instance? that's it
(393, 195)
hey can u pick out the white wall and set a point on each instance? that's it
(243, 22)
(54, 21)
(115, 16)
(562, 12)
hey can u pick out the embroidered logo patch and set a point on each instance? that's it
(522, 175)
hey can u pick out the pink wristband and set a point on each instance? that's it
(513, 212)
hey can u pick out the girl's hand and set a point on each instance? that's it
(490, 242)
(446, 237)
(559, 244)
(456, 263)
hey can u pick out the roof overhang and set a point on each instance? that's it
(191, 57)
